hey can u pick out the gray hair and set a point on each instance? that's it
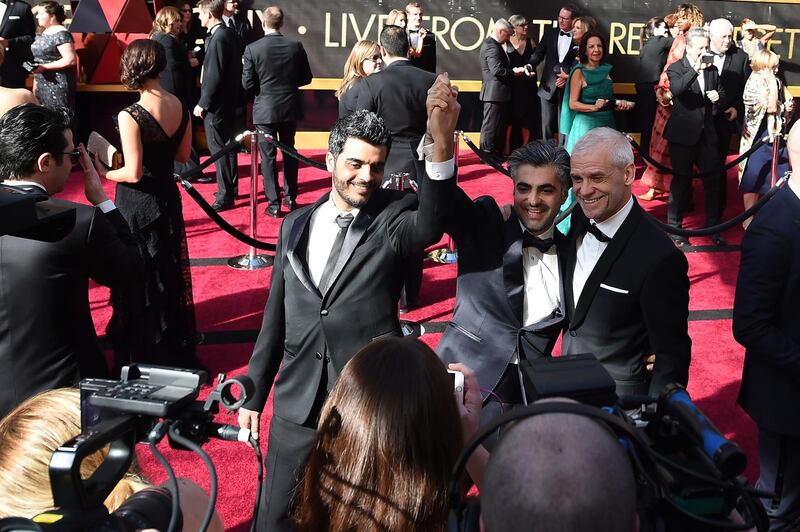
(695, 33)
(608, 140)
(516, 20)
(503, 24)
(719, 25)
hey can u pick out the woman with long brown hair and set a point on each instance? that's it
(687, 16)
(364, 59)
(387, 440)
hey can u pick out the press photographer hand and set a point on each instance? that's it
(92, 187)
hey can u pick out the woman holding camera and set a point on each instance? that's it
(54, 74)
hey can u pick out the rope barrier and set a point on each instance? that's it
(198, 170)
(293, 153)
(485, 157)
(652, 162)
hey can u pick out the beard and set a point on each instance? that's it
(345, 191)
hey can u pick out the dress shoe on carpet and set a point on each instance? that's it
(680, 241)
(220, 206)
(290, 204)
(275, 212)
(717, 239)
(205, 179)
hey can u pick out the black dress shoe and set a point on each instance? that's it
(717, 239)
(290, 204)
(680, 241)
(206, 179)
(220, 206)
(275, 212)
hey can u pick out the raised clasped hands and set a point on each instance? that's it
(443, 109)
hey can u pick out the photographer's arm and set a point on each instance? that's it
(470, 413)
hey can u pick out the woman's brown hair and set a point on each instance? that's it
(583, 55)
(387, 439)
(165, 17)
(143, 59)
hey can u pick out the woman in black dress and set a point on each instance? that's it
(53, 50)
(159, 325)
(364, 59)
(525, 113)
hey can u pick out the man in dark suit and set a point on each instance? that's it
(426, 57)
(237, 22)
(219, 86)
(275, 67)
(733, 68)
(558, 53)
(17, 30)
(627, 288)
(336, 281)
(397, 94)
(498, 75)
(691, 132)
(47, 338)
(509, 291)
(765, 321)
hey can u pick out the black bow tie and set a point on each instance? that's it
(562, 33)
(542, 244)
(598, 234)
(413, 31)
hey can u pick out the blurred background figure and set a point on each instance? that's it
(397, 17)
(17, 31)
(754, 37)
(524, 113)
(422, 51)
(656, 42)
(580, 26)
(766, 104)
(13, 97)
(55, 76)
(364, 59)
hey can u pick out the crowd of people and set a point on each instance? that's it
(364, 430)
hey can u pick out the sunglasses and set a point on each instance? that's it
(74, 156)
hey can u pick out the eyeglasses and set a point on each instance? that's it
(374, 58)
(74, 156)
(523, 25)
(564, 18)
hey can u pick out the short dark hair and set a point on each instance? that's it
(542, 153)
(273, 17)
(573, 10)
(583, 55)
(143, 59)
(215, 7)
(54, 9)
(395, 41)
(26, 132)
(362, 124)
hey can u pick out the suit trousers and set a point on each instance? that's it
(779, 457)
(283, 132)
(646, 107)
(493, 127)
(704, 154)
(219, 131)
(724, 134)
(551, 109)
(288, 449)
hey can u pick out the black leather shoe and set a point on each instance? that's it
(205, 179)
(220, 206)
(680, 241)
(290, 204)
(717, 239)
(275, 212)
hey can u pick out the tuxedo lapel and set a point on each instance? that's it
(604, 264)
(298, 244)
(9, 8)
(512, 267)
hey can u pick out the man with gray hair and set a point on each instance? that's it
(497, 74)
(556, 472)
(627, 289)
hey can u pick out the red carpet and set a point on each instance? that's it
(229, 306)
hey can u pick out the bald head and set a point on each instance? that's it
(793, 145)
(556, 472)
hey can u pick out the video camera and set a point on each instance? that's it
(148, 403)
(688, 474)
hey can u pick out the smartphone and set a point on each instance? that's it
(708, 60)
(457, 378)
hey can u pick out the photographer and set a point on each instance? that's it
(30, 435)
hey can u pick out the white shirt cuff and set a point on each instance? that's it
(436, 171)
(106, 206)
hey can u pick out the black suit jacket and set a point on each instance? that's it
(397, 94)
(547, 51)
(427, 60)
(486, 328)
(635, 302)
(766, 315)
(735, 71)
(348, 101)
(19, 27)
(496, 72)
(222, 68)
(304, 332)
(652, 58)
(47, 337)
(275, 68)
(691, 110)
(177, 77)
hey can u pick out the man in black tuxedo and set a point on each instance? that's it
(765, 318)
(498, 75)
(47, 338)
(627, 287)
(558, 53)
(691, 132)
(243, 31)
(336, 281)
(275, 67)
(733, 68)
(509, 298)
(17, 30)
(426, 59)
(219, 87)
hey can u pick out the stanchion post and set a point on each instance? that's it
(252, 261)
(776, 146)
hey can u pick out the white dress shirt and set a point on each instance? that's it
(719, 61)
(794, 184)
(541, 282)
(590, 249)
(564, 44)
